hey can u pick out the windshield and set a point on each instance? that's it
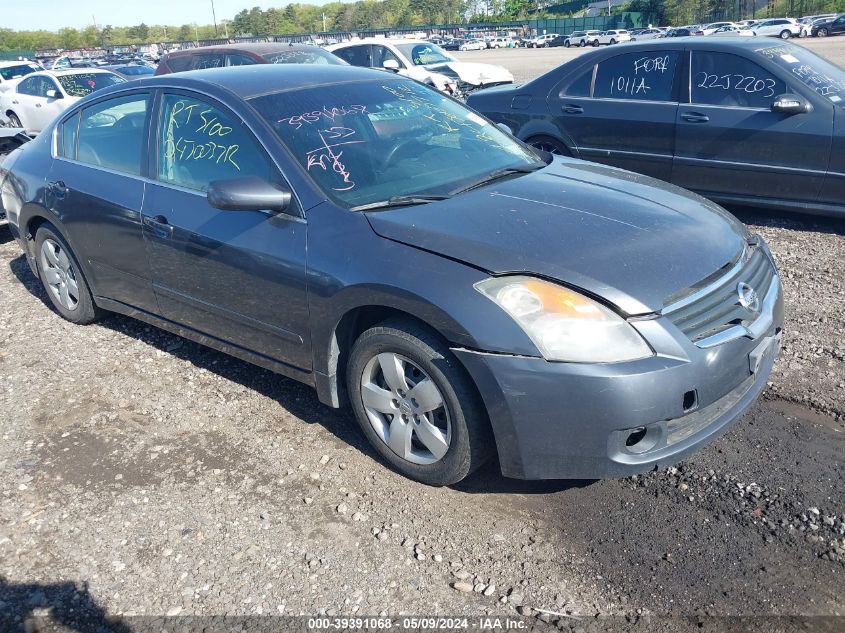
(315, 56)
(366, 142)
(813, 71)
(83, 84)
(13, 72)
(424, 54)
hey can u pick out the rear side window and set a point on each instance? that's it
(111, 134)
(199, 143)
(239, 60)
(641, 76)
(179, 63)
(213, 60)
(730, 80)
(355, 55)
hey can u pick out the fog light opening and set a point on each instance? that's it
(690, 400)
(635, 437)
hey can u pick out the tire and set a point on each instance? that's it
(14, 120)
(612, 42)
(785, 34)
(62, 271)
(567, 44)
(821, 33)
(595, 43)
(582, 43)
(549, 144)
(463, 430)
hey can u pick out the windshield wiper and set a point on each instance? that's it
(399, 201)
(497, 174)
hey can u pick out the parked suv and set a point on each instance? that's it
(541, 41)
(612, 37)
(784, 28)
(244, 55)
(834, 26)
(582, 38)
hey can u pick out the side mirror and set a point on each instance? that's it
(54, 94)
(247, 194)
(505, 128)
(790, 104)
(391, 64)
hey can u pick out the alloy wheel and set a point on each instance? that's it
(546, 146)
(59, 273)
(406, 408)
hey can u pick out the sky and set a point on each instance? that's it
(52, 15)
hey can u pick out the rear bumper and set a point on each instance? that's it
(590, 421)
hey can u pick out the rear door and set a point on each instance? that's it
(96, 186)
(237, 276)
(730, 145)
(621, 111)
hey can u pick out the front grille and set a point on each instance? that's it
(716, 307)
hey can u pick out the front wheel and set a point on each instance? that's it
(612, 42)
(14, 120)
(566, 44)
(595, 43)
(821, 33)
(582, 43)
(785, 34)
(416, 404)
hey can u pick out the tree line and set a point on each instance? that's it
(367, 14)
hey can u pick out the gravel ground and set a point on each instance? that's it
(143, 474)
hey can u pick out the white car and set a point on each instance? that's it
(582, 38)
(500, 42)
(39, 97)
(473, 45)
(711, 28)
(615, 36)
(733, 30)
(784, 28)
(423, 61)
(648, 34)
(11, 72)
(541, 41)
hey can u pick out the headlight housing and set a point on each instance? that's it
(563, 324)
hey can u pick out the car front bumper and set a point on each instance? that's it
(588, 421)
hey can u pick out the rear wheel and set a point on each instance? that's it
(612, 42)
(14, 120)
(582, 43)
(415, 403)
(566, 44)
(785, 34)
(62, 278)
(595, 43)
(549, 144)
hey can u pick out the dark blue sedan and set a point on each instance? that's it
(466, 294)
(739, 120)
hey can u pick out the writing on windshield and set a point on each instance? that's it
(813, 71)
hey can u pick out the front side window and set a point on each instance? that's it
(382, 54)
(111, 134)
(730, 80)
(314, 55)
(827, 79)
(29, 86)
(424, 54)
(641, 76)
(367, 142)
(83, 84)
(199, 143)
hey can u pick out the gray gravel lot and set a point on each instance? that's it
(166, 478)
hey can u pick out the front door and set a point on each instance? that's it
(237, 276)
(730, 145)
(622, 111)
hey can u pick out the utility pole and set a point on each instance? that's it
(214, 17)
(324, 22)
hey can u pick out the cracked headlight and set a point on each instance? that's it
(563, 324)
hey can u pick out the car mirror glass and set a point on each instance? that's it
(247, 194)
(53, 94)
(390, 64)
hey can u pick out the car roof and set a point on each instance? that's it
(259, 79)
(16, 62)
(383, 40)
(258, 48)
(61, 72)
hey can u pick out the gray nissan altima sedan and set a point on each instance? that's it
(466, 294)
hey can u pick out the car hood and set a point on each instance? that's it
(628, 238)
(472, 72)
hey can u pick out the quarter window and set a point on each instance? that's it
(641, 76)
(111, 134)
(580, 86)
(730, 80)
(69, 132)
(199, 143)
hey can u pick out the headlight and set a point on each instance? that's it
(563, 324)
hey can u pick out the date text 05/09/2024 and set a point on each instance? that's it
(486, 623)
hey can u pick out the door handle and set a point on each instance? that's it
(37, 105)
(58, 188)
(695, 117)
(573, 109)
(159, 226)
